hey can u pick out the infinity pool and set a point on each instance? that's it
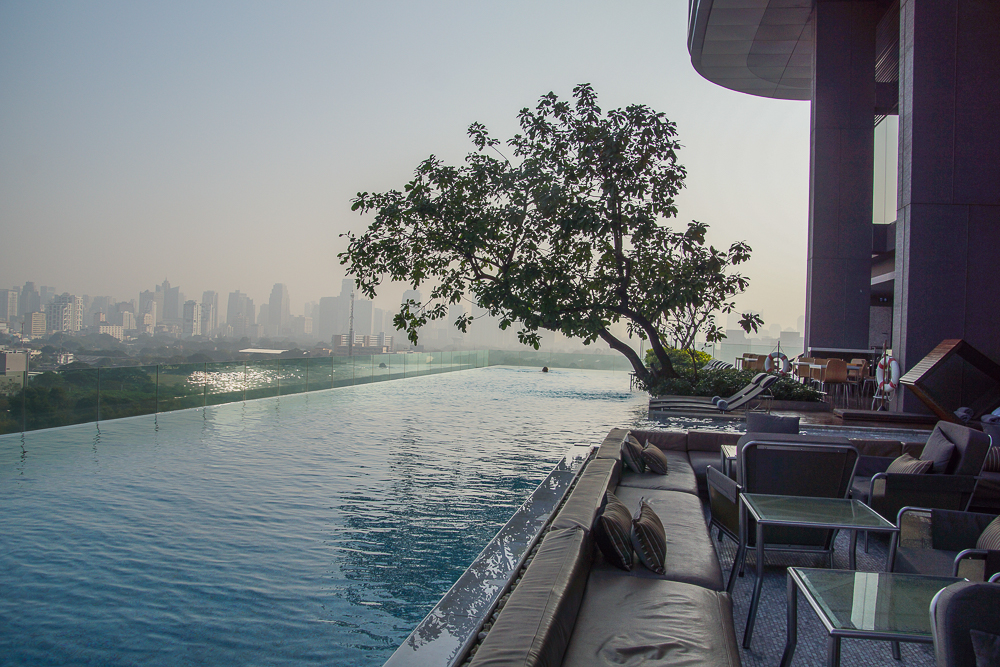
(314, 528)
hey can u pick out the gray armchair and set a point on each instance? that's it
(943, 543)
(780, 464)
(958, 453)
(956, 612)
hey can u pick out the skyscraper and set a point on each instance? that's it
(65, 313)
(209, 313)
(30, 301)
(192, 318)
(8, 304)
(278, 311)
(240, 314)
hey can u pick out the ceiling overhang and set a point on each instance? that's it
(759, 47)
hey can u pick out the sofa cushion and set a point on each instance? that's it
(630, 621)
(648, 538)
(907, 465)
(759, 422)
(915, 560)
(700, 462)
(690, 554)
(613, 533)
(938, 450)
(710, 441)
(987, 495)
(676, 441)
(655, 460)
(611, 448)
(585, 501)
(679, 477)
(535, 624)
(632, 455)
(860, 486)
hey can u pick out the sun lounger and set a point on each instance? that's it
(740, 403)
(699, 401)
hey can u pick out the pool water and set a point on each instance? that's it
(314, 528)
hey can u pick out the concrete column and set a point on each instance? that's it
(838, 271)
(948, 234)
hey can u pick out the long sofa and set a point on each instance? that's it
(572, 608)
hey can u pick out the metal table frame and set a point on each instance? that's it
(795, 584)
(761, 523)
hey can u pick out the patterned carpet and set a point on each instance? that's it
(770, 629)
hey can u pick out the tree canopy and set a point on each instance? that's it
(568, 233)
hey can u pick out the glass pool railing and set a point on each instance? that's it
(61, 398)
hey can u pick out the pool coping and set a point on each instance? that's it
(445, 635)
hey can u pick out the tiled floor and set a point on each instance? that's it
(769, 632)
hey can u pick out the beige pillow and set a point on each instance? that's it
(907, 465)
(655, 460)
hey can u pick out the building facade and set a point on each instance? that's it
(931, 64)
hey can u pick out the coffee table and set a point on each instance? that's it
(801, 512)
(863, 605)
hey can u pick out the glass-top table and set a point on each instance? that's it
(863, 605)
(801, 512)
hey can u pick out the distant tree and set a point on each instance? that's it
(568, 234)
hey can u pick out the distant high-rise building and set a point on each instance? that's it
(8, 304)
(30, 301)
(127, 320)
(363, 317)
(192, 318)
(278, 311)
(64, 314)
(328, 321)
(46, 294)
(173, 302)
(209, 312)
(34, 324)
(240, 314)
(263, 319)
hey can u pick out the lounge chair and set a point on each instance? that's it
(741, 403)
(703, 401)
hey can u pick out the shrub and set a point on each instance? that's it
(727, 381)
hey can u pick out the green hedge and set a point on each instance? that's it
(727, 381)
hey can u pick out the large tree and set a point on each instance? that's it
(568, 234)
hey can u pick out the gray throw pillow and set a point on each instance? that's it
(613, 533)
(989, 539)
(648, 538)
(986, 646)
(938, 451)
(632, 455)
(655, 460)
(907, 465)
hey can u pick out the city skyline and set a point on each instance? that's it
(139, 142)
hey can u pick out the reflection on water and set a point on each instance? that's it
(314, 528)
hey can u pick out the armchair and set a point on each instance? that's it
(942, 542)
(956, 613)
(780, 464)
(958, 454)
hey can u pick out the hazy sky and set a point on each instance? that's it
(218, 144)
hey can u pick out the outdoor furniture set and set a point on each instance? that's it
(572, 606)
